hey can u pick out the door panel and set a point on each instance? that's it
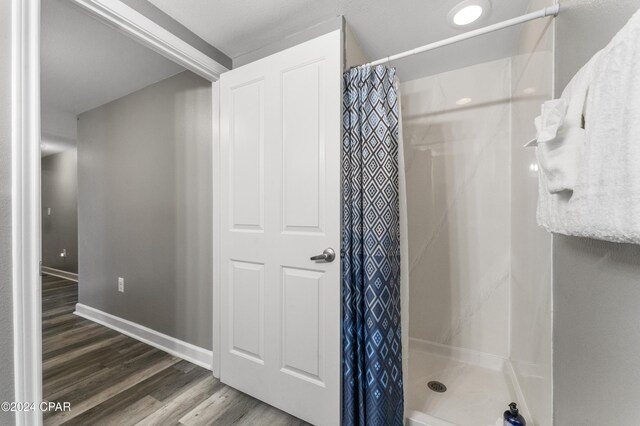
(247, 311)
(246, 144)
(302, 304)
(302, 165)
(280, 193)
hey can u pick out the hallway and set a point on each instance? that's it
(112, 379)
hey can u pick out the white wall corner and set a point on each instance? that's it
(515, 384)
(354, 54)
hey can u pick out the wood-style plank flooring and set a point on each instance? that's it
(112, 379)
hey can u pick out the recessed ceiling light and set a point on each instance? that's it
(468, 12)
(463, 101)
(467, 15)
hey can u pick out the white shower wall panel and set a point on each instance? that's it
(457, 148)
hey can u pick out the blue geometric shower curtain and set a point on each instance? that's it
(372, 344)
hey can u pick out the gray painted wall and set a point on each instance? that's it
(596, 284)
(145, 207)
(6, 316)
(60, 226)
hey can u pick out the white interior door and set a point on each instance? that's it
(280, 193)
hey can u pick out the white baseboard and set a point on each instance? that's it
(171, 345)
(71, 276)
(483, 359)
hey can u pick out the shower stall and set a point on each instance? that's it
(479, 296)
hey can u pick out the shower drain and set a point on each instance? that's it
(436, 386)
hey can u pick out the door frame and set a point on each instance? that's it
(25, 172)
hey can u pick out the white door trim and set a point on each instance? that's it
(132, 23)
(25, 205)
(215, 98)
(25, 157)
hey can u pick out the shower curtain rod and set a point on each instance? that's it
(542, 13)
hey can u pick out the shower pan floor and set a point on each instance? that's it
(475, 395)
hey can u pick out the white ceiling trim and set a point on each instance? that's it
(137, 26)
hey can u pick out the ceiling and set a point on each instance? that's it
(85, 64)
(383, 27)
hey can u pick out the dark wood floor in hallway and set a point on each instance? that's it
(112, 379)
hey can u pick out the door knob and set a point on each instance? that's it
(328, 255)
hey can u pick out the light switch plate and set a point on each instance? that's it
(121, 284)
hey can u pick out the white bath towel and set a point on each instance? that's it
(605, 201)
